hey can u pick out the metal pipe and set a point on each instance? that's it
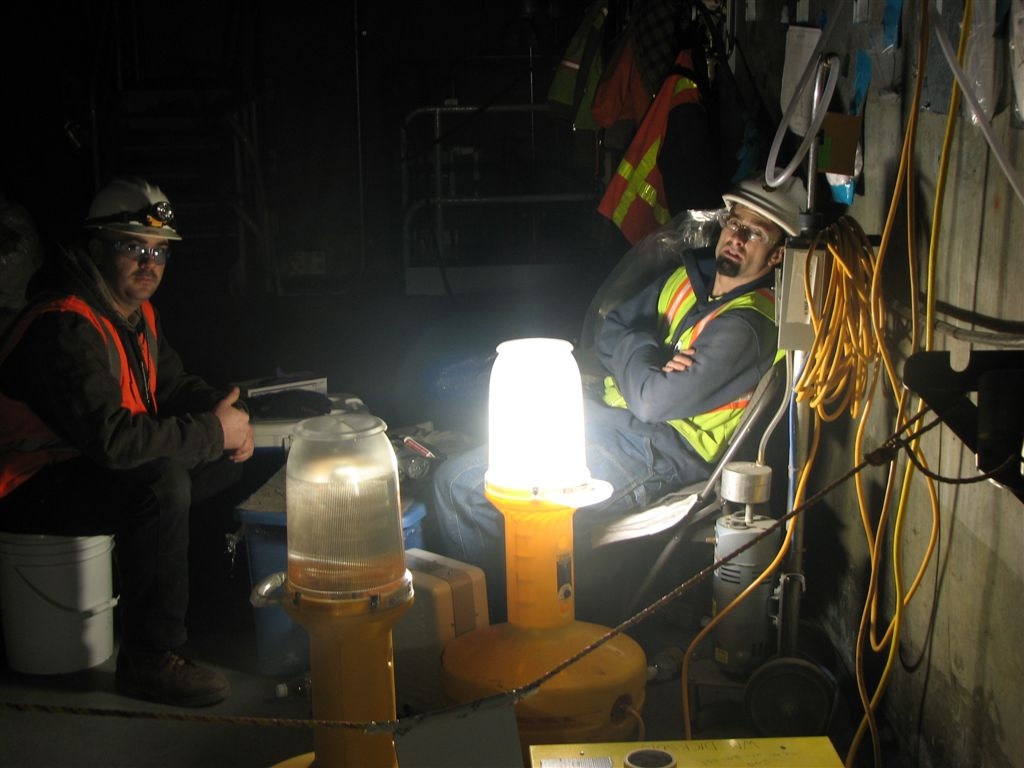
(791, 588)
(812, 152)
(455, 109)
(415, 208)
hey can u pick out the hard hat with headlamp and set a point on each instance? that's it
(781, 205)
(132, 206)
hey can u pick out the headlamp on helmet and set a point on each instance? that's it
(157, 215)
(133, 206)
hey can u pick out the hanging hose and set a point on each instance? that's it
(956, 67)
(831, 64)
(842, 370)
(771, 179)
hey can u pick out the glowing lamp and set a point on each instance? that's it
(537, 477)
(535, 417)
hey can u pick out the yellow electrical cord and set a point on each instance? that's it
(837, 372)
(869, 616)
(842, 365)
(841, 374)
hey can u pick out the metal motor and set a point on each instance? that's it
(742, 639)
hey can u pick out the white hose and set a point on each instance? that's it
(770, 178)
(972, 101)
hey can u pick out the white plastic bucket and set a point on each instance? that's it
(56, 602)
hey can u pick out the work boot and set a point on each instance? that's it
(169, 678)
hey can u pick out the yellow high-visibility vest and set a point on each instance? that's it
(707, 432)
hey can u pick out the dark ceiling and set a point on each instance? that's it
(318, 90)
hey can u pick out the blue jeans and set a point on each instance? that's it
(621, 450)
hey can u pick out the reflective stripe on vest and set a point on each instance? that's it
(635, 198)
(709, 432)
(27, 444)
(576, 78)
(640, 186)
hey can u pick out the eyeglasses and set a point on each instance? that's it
(140, 252)
(747, 232)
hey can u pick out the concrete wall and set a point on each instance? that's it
(953, 692)
(955, 695)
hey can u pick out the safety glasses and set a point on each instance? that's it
(140, 253)
(749, 233)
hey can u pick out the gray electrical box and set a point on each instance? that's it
(793, 305)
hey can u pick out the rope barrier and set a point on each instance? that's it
(881, 455)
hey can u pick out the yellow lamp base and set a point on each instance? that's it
(351, 664)
(588, 701)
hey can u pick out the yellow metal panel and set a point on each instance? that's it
(794, 752)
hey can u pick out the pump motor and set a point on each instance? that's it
(742, 639)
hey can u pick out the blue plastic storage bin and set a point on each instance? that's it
(282, 646)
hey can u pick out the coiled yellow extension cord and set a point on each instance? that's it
(849, 339)
(841, 374)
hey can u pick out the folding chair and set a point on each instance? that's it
(680, 511)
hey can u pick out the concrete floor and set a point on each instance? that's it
(79, 720)
(410, 359)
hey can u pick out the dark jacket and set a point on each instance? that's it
(60, 368)
(732, 352)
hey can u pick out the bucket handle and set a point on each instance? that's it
(268, 591)
(84, 613)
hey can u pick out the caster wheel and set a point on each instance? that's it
(790, 697)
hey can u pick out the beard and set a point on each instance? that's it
(726, 266)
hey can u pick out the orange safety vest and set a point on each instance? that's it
(635, 198)
(707, 432)
(27, 444)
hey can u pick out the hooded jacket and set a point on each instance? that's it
(735, 346)
(78, 379)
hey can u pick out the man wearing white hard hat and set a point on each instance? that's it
(102, 431)
(680, 358)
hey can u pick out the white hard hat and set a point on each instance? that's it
(781, 204)
(133, 206)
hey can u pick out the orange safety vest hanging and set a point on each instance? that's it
(635, 198)
(27, 444)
